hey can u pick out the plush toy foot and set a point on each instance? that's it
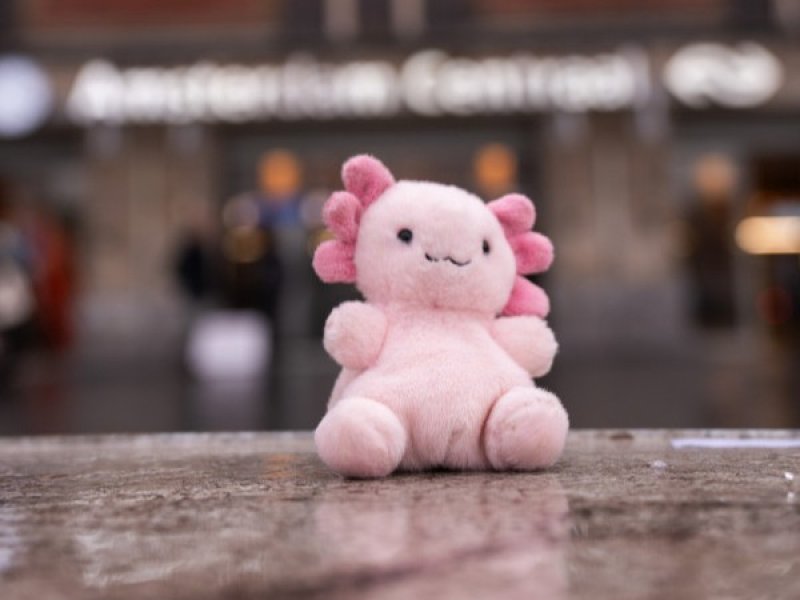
(360, 437)
(525, 430)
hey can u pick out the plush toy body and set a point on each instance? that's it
(432, 376)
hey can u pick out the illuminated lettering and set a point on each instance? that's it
(701, 75)
(428, 83)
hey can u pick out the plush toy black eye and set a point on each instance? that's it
(486, 247)
(405, 235)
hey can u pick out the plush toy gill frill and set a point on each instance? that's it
(437, 362)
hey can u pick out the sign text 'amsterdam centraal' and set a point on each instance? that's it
(429, 82)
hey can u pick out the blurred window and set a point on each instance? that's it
(544, 7)
(122, 14)
(303, 18)
(444, 15)
(342, 20)
(517, 12)
(7, 24)
(751, 15)
(408, 17)
(375, 18)
(787, 15)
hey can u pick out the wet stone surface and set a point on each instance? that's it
(624, 515)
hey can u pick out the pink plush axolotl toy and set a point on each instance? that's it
(432, 376)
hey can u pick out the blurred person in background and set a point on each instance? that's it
(53, 256)
(710, 243)
(280, 196)
(17, 301)
(252, 270)
(256, 227)
(195, 267)
(280, 178)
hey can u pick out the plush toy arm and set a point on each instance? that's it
(354, 334)
(528, 340)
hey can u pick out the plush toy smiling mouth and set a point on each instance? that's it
(447, 258)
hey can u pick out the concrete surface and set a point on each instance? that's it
(624, 515)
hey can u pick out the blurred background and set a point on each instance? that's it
(163, 164)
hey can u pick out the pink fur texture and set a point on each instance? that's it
(533, 251)
(437, 363)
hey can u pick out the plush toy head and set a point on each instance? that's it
(432, 245)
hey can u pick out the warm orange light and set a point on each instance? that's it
(495, 167)
(280, 174)
(769, 235)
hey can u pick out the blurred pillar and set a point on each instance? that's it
(610, 212)
(408, 17)
(341, 19)
(9, 38)
(145, 187)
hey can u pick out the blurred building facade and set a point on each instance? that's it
(645, 132)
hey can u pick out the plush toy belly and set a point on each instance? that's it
(440, 376)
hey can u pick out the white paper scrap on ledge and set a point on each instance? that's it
(679, 443)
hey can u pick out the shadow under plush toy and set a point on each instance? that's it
(432, 376)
